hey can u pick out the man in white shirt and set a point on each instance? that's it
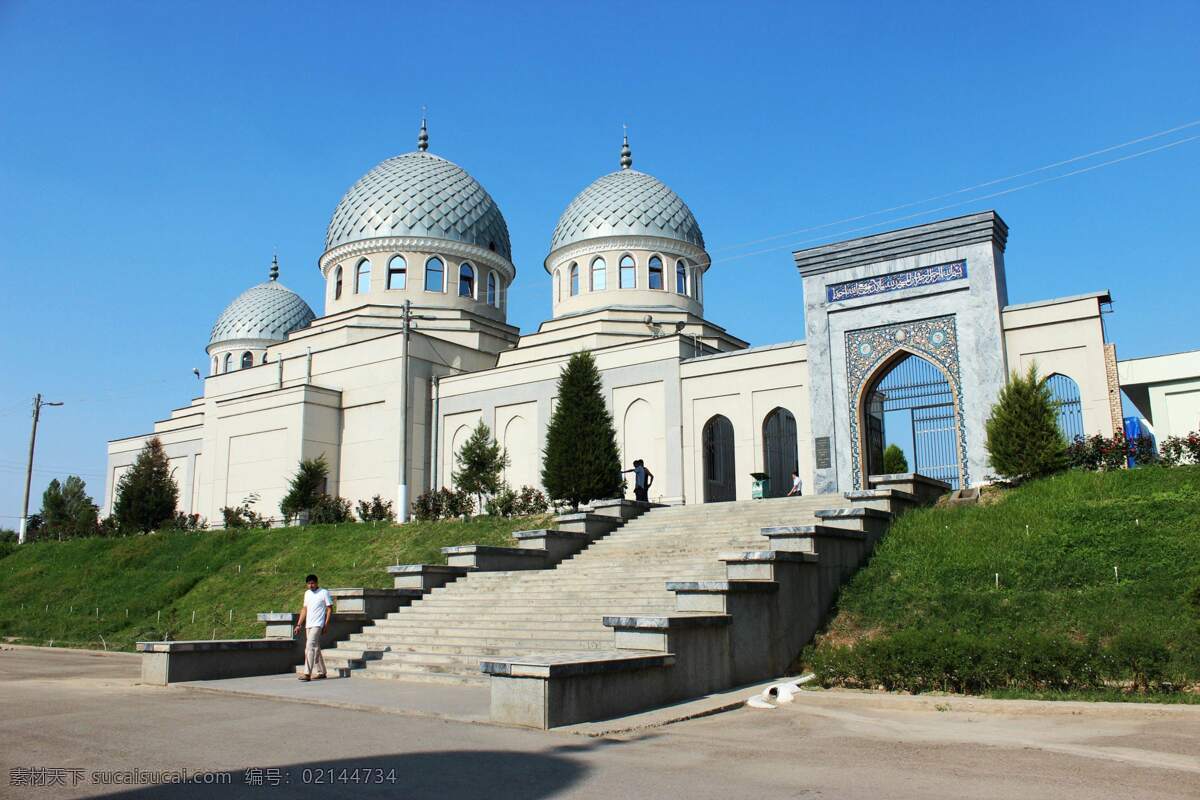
(797, 486)
(314, 620)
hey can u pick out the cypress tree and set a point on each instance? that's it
(306, 488)
(581, 462)
(894, 460)
(1023, 438)
(146, 494)
(480, 461)
(67, 510)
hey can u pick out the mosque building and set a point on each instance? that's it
(909, 336)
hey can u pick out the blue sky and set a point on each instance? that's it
(153, 155)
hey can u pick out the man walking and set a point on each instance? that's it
(314, 620)
(643, 479)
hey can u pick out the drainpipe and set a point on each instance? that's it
(308, 365)
(433, 447)
(279, 363)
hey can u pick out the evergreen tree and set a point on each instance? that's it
(306, 489)
(480, 461)
(581, 461)
(67, 510)
(894, 460)
(146, 494)
(1023, 438)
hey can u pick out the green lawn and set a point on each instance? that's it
(52, 590)
(1098, 596)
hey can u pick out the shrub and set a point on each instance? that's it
(1098, 452)
(894, 460)
(1176, 450)
(7, 536)
(503, 503)
(480, 461)
(146, 495)
(186, 522)
(306, 489)
(1023, 439)
(530, 501)
(581, 461)
(244, 516)
(376, 510)
(443, 504)
(428, 506)
(330, 510)
(457, 503)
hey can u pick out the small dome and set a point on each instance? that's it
(623, 203)
(268, 311)
(419, 194)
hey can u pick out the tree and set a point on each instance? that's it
(894, 460)
(306, 489)
(581, 462)
(146, 494)
(480, 461)
(1023, 438)
(67, 510)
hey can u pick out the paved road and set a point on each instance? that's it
(72, 710)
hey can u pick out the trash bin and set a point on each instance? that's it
(761, 487)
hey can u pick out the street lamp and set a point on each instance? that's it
(38, 402)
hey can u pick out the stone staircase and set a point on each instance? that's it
(443, 636)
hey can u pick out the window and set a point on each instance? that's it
(574, 279)
(216, 365)
(228, 364)
(698, 284)
(337, 283)
(362, 277)
(247, 360)
(656, 272)
(493, 297)
(599, 275)
(434, 271)
(466, 280)
(628, 272)
(397, 273)
(680, 278)
(558, 283)
(264, 358)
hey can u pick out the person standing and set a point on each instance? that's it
(643, 479)
(795, 491)
(314, 621)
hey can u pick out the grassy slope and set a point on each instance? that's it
(1054, 544)
(178, 573)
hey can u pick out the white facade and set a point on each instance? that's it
(698, 405)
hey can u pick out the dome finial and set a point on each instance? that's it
(626, 153)
(423, 136)
(275, 267)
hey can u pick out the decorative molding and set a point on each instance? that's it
(426, 245)
(897, 281)
(605, 244)
(935, 340)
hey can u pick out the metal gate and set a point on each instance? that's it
(720, 484)
(1064, 393)
(917, 388)
(779, 450)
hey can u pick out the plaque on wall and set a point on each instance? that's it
(824, 453)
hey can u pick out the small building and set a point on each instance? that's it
(1165, 390)
(908, 338)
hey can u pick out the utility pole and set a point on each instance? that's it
(37, 413)
(406, 319)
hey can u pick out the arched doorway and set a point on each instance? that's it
(720, 484)
(910, 403)
(1064, 393)
(779, 450)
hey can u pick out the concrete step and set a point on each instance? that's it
(371, 672)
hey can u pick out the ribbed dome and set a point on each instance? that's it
(627, 202)
(419, 194)
(268, 311)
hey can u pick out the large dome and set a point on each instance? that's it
(627, 202)
(268, 311)
(419, 194)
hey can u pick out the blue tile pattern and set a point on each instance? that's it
(627, 202)
(267, 311)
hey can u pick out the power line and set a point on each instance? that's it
(985, 184)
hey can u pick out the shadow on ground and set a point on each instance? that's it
(446, 774)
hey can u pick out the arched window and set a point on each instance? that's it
(264, 358)
(656, 272)
(216, 365)
(599, 275)
(493, 297)
(466, 280)
(397, 273)
(628, 272)
(574, 279)
(680, 278)
(1064, 394)
(337, 283)
(228, 363)
(434, 271)
(362, 277)
(247, 360)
